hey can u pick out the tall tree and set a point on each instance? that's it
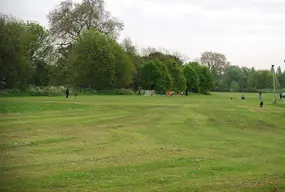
(41, 53)
(60, 70)
(132, 52)
(163, 55)
(191, 76)
(206, 79)
(252, 80)
(234, 74)
(42, 73)
(70, 19)
(155, 75)
(197, 67)
(14, 57)
(179, 81)
(179, 58)
(125, 68)
(40, 43)
(216, 62)
(99, 62)
(92, 61)
(264, 78)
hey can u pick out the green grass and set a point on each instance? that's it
(132, 143)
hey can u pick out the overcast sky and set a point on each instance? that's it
(248, 32)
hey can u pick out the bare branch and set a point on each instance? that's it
(70, 19)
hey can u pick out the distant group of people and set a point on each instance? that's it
(259, 97)
(168, 93)
(281, 95)
(242, 97)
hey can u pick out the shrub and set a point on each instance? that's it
(116, 92)
(60, 90)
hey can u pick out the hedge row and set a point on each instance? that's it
(60, 90)
(251, 90)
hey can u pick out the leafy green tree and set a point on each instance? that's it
(234, 74)
(41, 53)
(252, 80)
(198, 69)
(99, 62)
(245, 72)
(234, 86)
(222, 85)
(60, 70)
(149, 75)
(59, 73)
(163, 57)
(179, 81)
(125, 69)
(39, 43)
(155, 75)
(42, 73)
(206, 80)
(165, 82)
(264, 79)
(27, 51)
(14, 60)
(93, 62)
(205, 77)
(191, 76)
(136, 60)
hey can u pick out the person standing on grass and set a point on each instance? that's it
(140, 92)
(261, 104)
(67, 93)
(260, 96)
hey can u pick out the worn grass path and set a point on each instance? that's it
(131, 143)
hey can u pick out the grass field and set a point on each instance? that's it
(132, 143)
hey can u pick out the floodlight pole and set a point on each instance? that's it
(273, 77)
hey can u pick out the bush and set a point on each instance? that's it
(116, 92)
(270, 90)
(9, 92)
(46, 91)
(34, 91)
(87, 91)
(60, 90)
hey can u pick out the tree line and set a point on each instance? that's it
(243, 79)
(81, 49)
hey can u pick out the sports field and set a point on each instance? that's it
(132, 143)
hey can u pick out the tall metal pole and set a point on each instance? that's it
(273, 76)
